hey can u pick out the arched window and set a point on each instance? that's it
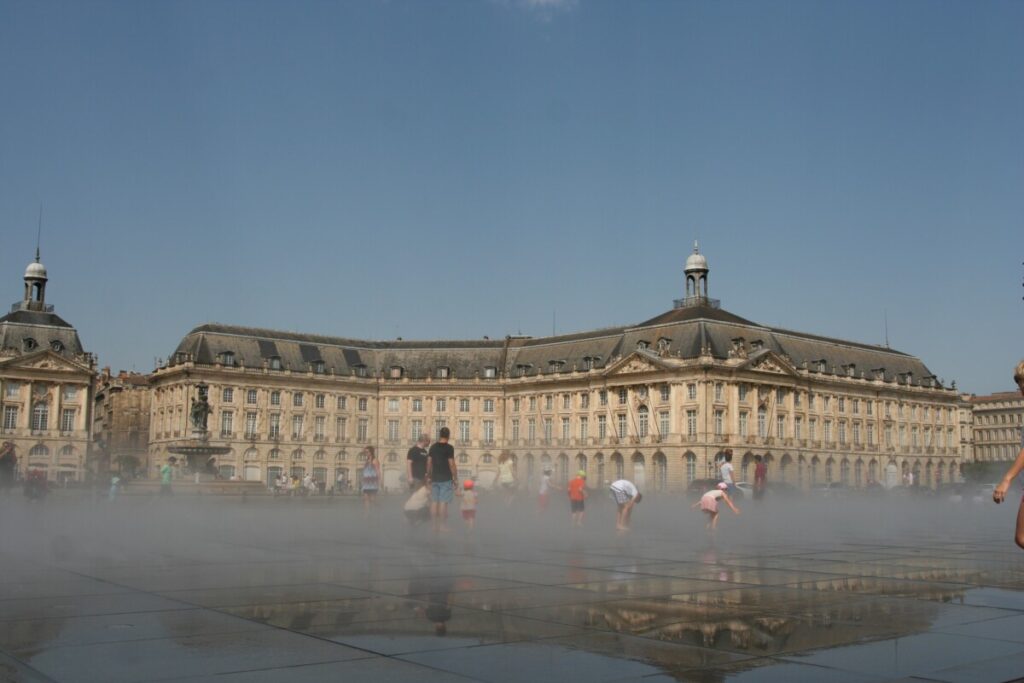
(828, 470)
(319, 455)
(618, 467)
(563, 468)
(39, 450)
(639, 471)
(660, 471)
(858, 473)
(67, 451)
(599, 459)
(643, 421)
(844, 472)
(251, 454)
(275, 454)
(297, 454)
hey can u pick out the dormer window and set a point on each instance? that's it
(879, 373)
(490, 372)
(274, 362)
(851, 370)
(555, 365)
(227, 358)
(664, 343)
(642, 345)
(523, 369)
(179, 357)
(395, 372)
(319, 367)
(757, 344)
(588, 363)
(442, 372)
(29, 344)
(359, 370)
(57, 345)
(822, 365)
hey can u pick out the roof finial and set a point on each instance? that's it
(696, 247)
(39, 230)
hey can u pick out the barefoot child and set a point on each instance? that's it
(546, 487)
(626, 496)
(469, 499)
(999, 494)
(577, 494)
(709, 504)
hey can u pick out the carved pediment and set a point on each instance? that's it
(44, 360)
(635, 363)
(768, 361)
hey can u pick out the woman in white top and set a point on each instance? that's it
(709, 504)
(626, 497)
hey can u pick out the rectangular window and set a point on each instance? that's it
(691, 423)
(250, 425)
(463, 405)
(780, 396)
(812, 429)
(842, 433)
(549, 402)
(488, 405)
(321, 401)
(810, 401)
(67, 420)
(602, 397)
(622, 425)
(361, 405)
(842, 404)
(871, 434)
(566, 435)
(622, 397)
(319, 424)
(856, 434)
(417, 405)
(691, 391)
(341, 428)
(641, 426)
(566, 402)
(12, 388)
(824, 403)
(797, 401)
(547, 430)
(531, 429)
(533, 404)
(515, 429)
(228, 395)
(488, 431)
(297, 399)
(828, 431)
(743, 423)
(392, 405)
(296, 426)
(227, 419)
(856, 406)
(415, 429)
(663, 426)
(584, 425)
(903, 436)
(762, 422)
(362, 430)
(392, 430)
(515, 405)
(275, 398)
(40, 417)
(275, 425)
(913, 437)
(440, 405)
(250, 397)
(602, 427)
(743, 392)
(343, 403)
(798, 428)
(719, 422)
(780, 426)
(665, 392)
(869, 407)
(464, 431)
(719, 389)
(888, 436)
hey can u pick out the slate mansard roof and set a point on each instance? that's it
(43, 327)
(681, 333)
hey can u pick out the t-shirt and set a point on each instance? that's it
(418, 500)
(440, 454)
(545, 484)
(469, 500)
(727, 472)
(576, 487)
(165, 474)
(418, 457)
(625, 486)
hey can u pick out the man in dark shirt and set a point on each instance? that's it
(416, 463)
(442, 474)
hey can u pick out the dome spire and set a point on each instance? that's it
(696, 271)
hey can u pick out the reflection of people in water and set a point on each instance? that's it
(436, 592)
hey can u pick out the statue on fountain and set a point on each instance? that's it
(200, 410)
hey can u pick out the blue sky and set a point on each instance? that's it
(458, 169)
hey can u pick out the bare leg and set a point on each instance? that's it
(1019, 537)
(442, 516)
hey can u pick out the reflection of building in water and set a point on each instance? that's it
(45, 384)
(997, 425)
(656, 402)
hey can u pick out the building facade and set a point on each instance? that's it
(120, 428)
(998, 420)
(657, 402)
(45, 385)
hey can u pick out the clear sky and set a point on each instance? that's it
(455, 169)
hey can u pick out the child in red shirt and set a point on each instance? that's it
(578, 494)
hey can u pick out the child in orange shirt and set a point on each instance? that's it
(469, 500)
(577, 494)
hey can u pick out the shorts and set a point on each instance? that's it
(442, 491)
(621, 497)
(468, 514)
(576, 505)
(369, 492)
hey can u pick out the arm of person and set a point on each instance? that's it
(695, 505)
(455, 472)
(728, 502)
(999, 494)
(408, 468)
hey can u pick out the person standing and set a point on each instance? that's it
(416, 463)
(760, 477)
(166, 474)
(369, 479)
(627, 497)
(507, 476)
(577, 496)
(726, 472)
(999, 493)
(442, 473)
(469, 502)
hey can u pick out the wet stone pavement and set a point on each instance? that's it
(279, 590)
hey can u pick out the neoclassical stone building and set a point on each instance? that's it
(998, 420)
(656, 402)
(45, 385)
